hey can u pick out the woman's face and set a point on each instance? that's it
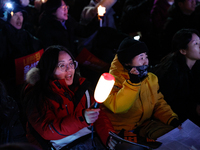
(62, 12)
(193, 50)
(65, 68)
(17, 20)
(140, 60)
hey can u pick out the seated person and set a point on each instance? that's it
(57, 104)
(31, 17)
(179, 73)
(15, 43)
(135, 102)
(57, 27)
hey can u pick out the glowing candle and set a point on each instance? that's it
(101, 12)
(103, 88)
(44, 1)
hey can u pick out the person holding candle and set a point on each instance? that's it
(58, 105)
(135, 102)
(96, 7)
(57, 27)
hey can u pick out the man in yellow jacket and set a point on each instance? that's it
(135, 100)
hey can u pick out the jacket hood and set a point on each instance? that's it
(119, 72)
(32, 76)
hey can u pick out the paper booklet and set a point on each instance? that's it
(186, 138)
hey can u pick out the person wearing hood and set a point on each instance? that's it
(32, 16)
(135, 102)
(15, 43)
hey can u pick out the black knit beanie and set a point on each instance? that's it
(129, 48)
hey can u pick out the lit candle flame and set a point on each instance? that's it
(12, 13)
(101, 10)
(104, 87)
(137, 37)
(44, 1)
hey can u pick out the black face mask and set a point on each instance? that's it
(141, 69)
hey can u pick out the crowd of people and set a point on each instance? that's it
(63, 49)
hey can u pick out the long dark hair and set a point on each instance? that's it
(36, 97)
(179, 41)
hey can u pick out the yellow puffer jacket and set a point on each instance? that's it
(130, 104)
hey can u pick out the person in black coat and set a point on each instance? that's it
(15, 43)
(59, 28)
(182, 14)
(179, 75)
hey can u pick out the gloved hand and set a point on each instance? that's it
(175, 123)
(91, 115)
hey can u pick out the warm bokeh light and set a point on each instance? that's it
(44, 1)
(104, 87)
(11, 13)
(101, 10)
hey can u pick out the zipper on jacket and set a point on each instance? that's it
(67, 109)
(57, 130)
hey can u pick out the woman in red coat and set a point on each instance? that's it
(58, 103)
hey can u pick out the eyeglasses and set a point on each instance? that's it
(65, 7)
(63, 67)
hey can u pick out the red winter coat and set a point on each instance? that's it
(59, 123)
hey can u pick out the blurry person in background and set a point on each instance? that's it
(31, 16)
(182, 14)
(57, 27)
(159, 14)
(15, 43)
(91, 11)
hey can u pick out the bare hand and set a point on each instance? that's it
(91, 115)
(112, 143)
(134, 71)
